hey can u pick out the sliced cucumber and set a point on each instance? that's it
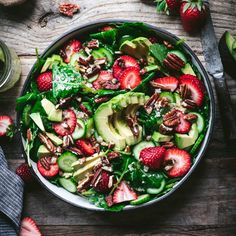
(168, 95)
(68, 184)
(104, 52)
(200, 121)
(157, 190)
(141, 199)
(65, 161)
(79, 130)
(140, 146)
(89, 128)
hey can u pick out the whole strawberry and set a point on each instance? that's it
(44, 81)
(152, 157)
(24, 172)
(193, 15)
(168, 6)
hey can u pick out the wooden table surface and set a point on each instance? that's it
(206, 205)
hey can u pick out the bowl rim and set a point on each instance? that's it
(208, 86)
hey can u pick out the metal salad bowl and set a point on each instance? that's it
(78, 32)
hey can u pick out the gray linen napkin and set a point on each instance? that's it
(11, 199)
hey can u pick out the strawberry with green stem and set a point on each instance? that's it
(193, 15)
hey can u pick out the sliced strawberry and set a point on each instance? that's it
(29, 227)
(72, 47)
(130, 78)
(85, 146)
(44, 81)
(184, 126)
(177, 162)
(50, 172)
(195, 86)
(152, 157)
(24, 172)
(6, 124)
(67, 126)
(122, 63)
(123, 193)
(166, 83)
(103, 182)
(105, 80)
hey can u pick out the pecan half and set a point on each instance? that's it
(68, 9)
(67, 140)
(173, 62)
(45, 162)
(48, 143)
(110, 84)
(165, 130)
(85, 183)
(162, 102)
(75, 150)
(149, 105)
(190, 117)
(168, 44)
(171, 119)
(184, 91)
(113, 155)
(84, 109)
(188, 103)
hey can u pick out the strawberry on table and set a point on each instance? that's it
(85, 146)
(67, 126)
(123, 193)
(72, 47)
(152, 157)
(6, 126)
(29, 227)
(24, 172)
(193, 14)
(122, 63)
(177, 162)
(195, 87)
(44, 81)
(184, 126)
(165, 83)
(130, 78)
(168, 6)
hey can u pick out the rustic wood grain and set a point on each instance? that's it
(206, 205)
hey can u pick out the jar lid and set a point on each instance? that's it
(5, 64)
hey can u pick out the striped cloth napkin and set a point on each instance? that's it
(11, 199)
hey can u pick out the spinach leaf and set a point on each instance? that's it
(25, 99)
(66, 81)
(159, 51)
(106, 36)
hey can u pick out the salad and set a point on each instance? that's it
(116, 116)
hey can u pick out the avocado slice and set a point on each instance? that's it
(228, 53)
(50, 109)
(186, 140)
(43, 152)
(188, 70)
(37, 120)
(158, 137)
(54, 60)
(138, 47)
(57, 141)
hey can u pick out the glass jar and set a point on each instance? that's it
(10, 67)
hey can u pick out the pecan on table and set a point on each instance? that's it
(149, 105)
(68, 9)
(171, 119)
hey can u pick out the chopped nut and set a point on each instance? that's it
(101, 99)
(133, 124)
(85, 183)
(100, 61)
(84, 109)
(188, 103)
(168, 165)
(113, 155)
(162, 102)
(75, 150)
(63, 102)
(93, 44)
(165, 130)
(168, 45)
